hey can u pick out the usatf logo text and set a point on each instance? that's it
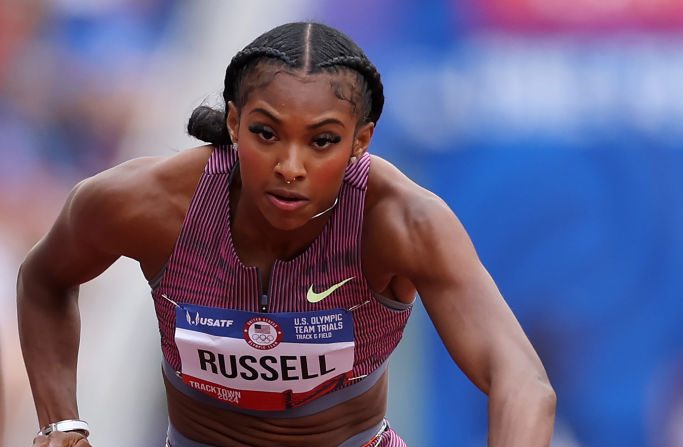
(197, 320)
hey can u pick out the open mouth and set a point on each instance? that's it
(286, 201)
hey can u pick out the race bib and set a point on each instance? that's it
(264, 361)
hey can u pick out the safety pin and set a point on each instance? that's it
(163, 295)
(357, 377)
(351, 309)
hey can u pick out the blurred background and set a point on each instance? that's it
(552, 128)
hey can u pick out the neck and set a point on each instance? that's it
(255, 238)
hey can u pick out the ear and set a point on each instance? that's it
(233, 121)
(362, 139)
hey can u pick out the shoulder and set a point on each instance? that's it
(406, 223)
(112, 205)
(395, 202)
(122, 211)
(144, 174)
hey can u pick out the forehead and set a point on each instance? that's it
(304, 95)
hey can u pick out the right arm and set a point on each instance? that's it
(133, 210)
(47, 302)
(80, 245)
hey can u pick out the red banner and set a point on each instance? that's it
(582, 15)
(261, 400)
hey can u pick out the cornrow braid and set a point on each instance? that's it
(248, 53)
(243, 61)
(210, 125)
(372, 77)
(319, 47)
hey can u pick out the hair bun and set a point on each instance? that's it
(208, 124)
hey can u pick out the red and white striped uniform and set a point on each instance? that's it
(204, 268)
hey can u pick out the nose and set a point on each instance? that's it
(290, 165)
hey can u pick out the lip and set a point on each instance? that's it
(278, 198)
(286, 193)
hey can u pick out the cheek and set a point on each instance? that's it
(328, 174)
(249, 158)
(253, 172)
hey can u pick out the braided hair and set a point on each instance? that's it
(301, 46)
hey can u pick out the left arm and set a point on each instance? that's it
(478, 328)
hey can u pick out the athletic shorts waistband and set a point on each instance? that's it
(367, 438)
(320, 404)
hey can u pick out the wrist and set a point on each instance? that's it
(67, 425)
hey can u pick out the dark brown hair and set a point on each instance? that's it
(303, 47)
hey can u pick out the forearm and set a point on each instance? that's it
(49, 331)
(521, 413)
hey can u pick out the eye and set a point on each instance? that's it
(266, 133)
(325, 140)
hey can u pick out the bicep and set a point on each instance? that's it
(475, 323)
(75, 250)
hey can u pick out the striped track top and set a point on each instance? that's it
(204, 268)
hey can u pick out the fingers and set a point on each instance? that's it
(40, 441)
(61, 439)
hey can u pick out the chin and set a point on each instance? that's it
(289, 223)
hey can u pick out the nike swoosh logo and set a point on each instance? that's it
(313, 297)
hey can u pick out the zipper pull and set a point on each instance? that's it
(263, 303)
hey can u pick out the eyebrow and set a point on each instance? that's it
(310, 126)
(267, 113)
(324, 122)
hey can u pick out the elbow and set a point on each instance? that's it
(533, 391)
(540, 392)
(31, 282)
(546, 397)
(21, 280)
(26, 274)
(539, 399)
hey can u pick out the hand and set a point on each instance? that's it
(61, 439)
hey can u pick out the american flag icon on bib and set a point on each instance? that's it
(262, 329)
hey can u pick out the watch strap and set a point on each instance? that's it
(65, 426)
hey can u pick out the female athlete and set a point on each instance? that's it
(283, 260)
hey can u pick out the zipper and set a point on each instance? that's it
(264, 296)
(263, 303)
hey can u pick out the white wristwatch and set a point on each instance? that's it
(67, 425)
